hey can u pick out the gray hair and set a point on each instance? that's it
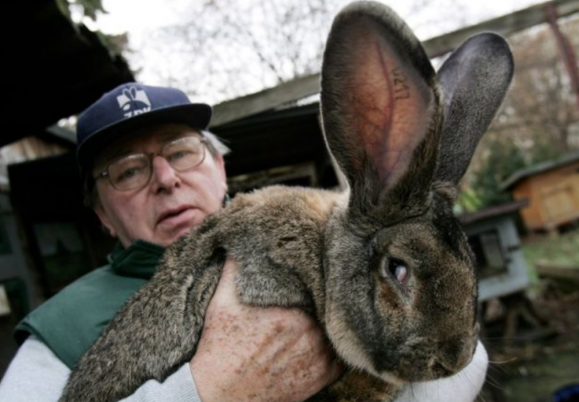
(216, 143)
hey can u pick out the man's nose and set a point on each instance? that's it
(164, 177)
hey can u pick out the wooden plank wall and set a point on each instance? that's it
(554, 198)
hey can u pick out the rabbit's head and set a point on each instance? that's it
(401, 282)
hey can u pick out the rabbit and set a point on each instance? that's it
(384, 266)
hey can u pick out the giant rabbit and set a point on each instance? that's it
(384, 267)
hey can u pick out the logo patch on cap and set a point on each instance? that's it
(134, 101)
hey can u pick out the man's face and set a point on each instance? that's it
(171, 203)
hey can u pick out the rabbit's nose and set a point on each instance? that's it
(455, 355)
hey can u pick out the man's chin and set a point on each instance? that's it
(168, 238)
(171, 230)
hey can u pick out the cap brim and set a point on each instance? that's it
(196, 115)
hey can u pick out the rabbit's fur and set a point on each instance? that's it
(384, 267)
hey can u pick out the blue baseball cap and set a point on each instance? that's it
(130, 107)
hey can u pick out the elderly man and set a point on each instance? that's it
(151, 172)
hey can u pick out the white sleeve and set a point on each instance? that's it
(37, 375)
(178, 387)
(461, 387)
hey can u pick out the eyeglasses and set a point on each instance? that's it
(134, 171)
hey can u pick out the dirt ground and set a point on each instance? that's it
(538, 359)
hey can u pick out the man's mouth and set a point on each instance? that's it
(176, 216)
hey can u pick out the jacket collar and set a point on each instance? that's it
(139, 260)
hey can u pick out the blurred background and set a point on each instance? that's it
(258, 62)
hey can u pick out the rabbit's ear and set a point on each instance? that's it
(380, 108)
(473, 81)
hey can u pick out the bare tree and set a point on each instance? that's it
(541, 110)
(229, 48)
(539, 120)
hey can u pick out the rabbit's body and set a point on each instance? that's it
(277, 236)
(385, 267)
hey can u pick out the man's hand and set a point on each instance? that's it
(259, 354)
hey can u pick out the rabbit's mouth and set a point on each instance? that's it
(424, 359)
(452, 356)
(439, 370)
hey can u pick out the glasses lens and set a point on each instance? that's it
(129, 172)
(184, 153)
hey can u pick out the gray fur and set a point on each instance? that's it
(329, 253)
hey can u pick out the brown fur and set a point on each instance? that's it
(394, 133)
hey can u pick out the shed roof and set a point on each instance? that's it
(54, 69)
(538, 169)
(492, 212)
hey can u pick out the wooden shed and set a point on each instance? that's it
(552, 189)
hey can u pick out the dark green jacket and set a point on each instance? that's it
(72, 320)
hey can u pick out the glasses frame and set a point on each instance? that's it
(150, 156)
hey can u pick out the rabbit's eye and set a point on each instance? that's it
(398, 270)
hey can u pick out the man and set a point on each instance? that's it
(152, 172)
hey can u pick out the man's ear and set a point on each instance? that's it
(221, 166)
(104, 218)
